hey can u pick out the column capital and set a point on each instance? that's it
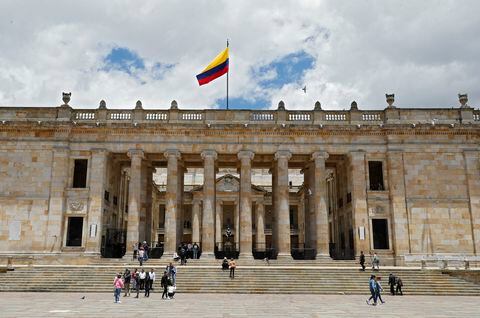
(245, 154)
(172, 153)
(209, 154)
(320, 155)
(283, 154)
(135, 153)
(98, 150)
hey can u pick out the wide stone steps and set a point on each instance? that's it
(211, 279)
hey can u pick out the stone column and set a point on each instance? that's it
(359, 202)
(398, 206)
(98, 173)
(208, 217)
(180, 213)
(219, 224)
(260, 235)
(134, 202)
(196, 221)
(301, 221)
(142, 227)
(150, 231)
(282, 206)
(56, 205)
(473, 171)
(320, 204)
(245, 203)
(171, 202)
(236, 216)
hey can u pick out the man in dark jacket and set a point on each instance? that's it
(391, 282)
(362, 260)
(164, 283)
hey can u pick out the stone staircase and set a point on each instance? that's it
(207, 277)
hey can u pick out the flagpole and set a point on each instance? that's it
(227, 75)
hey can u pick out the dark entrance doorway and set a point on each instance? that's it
(75, 231)
(380, 234)
(114, 245)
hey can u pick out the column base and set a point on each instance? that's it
(323, 257)
(207, 255)
(247, 256)
(284, 256)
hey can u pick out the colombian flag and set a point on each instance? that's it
(217, 68)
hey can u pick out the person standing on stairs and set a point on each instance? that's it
(164, 284)
(126, 279)
(399, 286)
(232, 265)
(391, 282)
(142, 277)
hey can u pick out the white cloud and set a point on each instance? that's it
(423, 51)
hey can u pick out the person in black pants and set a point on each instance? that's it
(362, 260)
(391, 282)
(164, 283)
(147, 286)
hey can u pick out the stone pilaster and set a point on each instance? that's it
(208, 217)
(134, 201)
(320, 203)
(398, 206)
(359, 202)
(260, 235)
(196, 217)
(282, 207)
(473, 171)
(218, 224)
(245, 203)
(56, 205)
(171, 202)
(98, 176)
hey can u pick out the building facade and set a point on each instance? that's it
(403, 183)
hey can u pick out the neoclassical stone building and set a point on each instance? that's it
(403, 183)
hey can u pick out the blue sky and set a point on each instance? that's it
(425, 52)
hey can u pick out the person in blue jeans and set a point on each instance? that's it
(373, 290)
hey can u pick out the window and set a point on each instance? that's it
(80, 173)
(375, 173)
(349, 197)
(106, 196)
(380, 234)
(75, 231)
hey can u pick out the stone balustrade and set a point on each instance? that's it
(388, 116)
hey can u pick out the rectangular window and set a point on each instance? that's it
(375, 173)
(380, 234)
(80, 173)
(349, 197)
(75, 231)
(106, 196)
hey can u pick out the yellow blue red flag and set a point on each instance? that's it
(215, 69)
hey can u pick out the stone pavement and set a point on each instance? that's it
(232, 305)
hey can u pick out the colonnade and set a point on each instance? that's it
(206, 216)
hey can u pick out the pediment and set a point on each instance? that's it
(228, 183)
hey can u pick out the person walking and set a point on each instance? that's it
(232, 265)
(127, 276)
(399, 286)
(164, 284)
(379, 289)
(362, 260)
(135, 251)
(172, 273)
(118, 285)
(134, 280)
(372, 286)
(225, 264)
(151, 276)
(141, 254)
(391, 282)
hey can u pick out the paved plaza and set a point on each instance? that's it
(232, 305)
